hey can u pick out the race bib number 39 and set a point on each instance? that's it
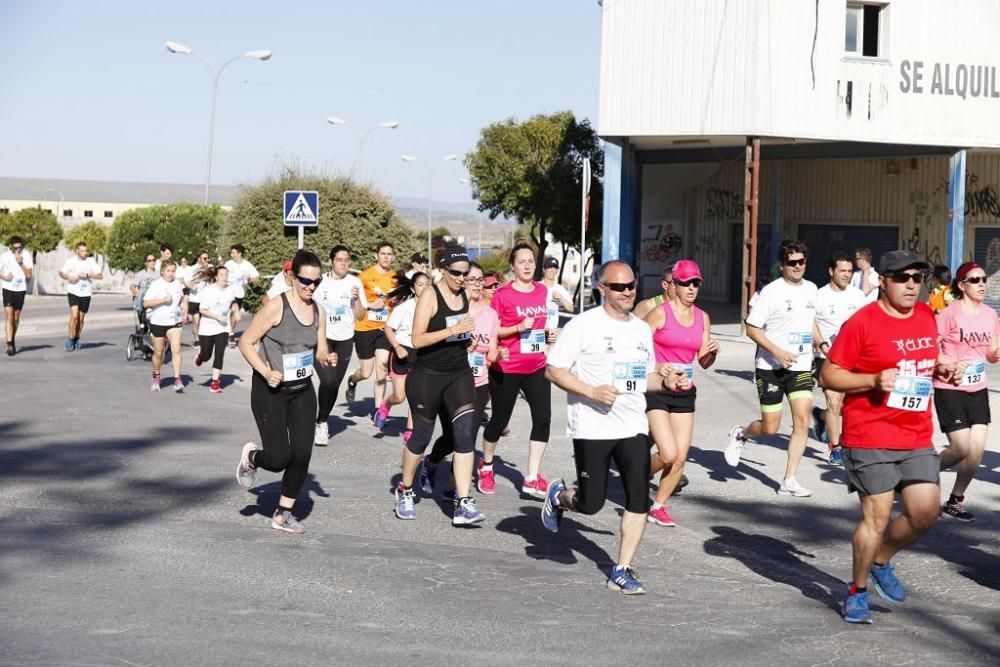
(975, 373)
(910, 393)
(297, 366)
(533, 342)
(630, 377)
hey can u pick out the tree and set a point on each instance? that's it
(39, 229)
(350, 214)
(187, 227)
(93, 233)
(531, 171)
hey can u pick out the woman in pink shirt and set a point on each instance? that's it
(522, 306)
(967, 331)
(680, 337)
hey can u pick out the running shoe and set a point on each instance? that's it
(154, 382)
(886, 583)
(76, 345)
(216, 387)
(178, 385)
(681, 483)
(466, 512)
(536, 488)
(836, 456)
(322, 435)
(197, 361)
(625, 580)
(819, 425)
(551, 512)
(404, 504)
(406, 435)
(485, 481)
(70, 346)
(352, 388)
(854, 608)
(426, 478)
(791, 487)
(246, 472)
(956, 510)
(10, 349)
(381, 414)
(283, 520)
(735, 447)
(660, 516)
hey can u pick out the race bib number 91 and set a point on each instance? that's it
(630, 377)
(910, 393)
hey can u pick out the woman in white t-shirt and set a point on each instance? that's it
(214, 327)
(399, 332)
(168, 310)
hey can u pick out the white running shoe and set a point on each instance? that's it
(322, 436)
(246, 472)
(791, 487)
(735, 447)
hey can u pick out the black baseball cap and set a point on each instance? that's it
(897, 260)
(452, 254)
(550, 263)
(417, 258)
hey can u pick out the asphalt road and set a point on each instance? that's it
(126, 541)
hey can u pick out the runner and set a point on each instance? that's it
(79, 271)
(940, 296)
(835, 303)
(490, 286)
(141, 280)
(418, 264)
(15, 272)
(197, 280)
(967, 330)
(604, 362)
(559, 296)
(522, 308)
(281, 282)
(398, 332)
(213, 328)
(783, 325)
(441, 383)
(369, 336)
(680, 337)
(241, 272)
(166, 252)
(865, 278)
(883, 360)
(291, 331)
(165, 297)
(646, 306)
(342, 298)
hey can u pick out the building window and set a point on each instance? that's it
(48, 210)
(109, 214)
(864, 30)
(88, 214)
(4, 211)
(67, 213)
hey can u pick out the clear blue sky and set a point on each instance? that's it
(90, 92)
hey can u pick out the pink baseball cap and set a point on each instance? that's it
(287, 266)
(685, 270)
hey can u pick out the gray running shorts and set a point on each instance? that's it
(871, 471)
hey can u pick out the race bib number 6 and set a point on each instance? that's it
(297, 366)
(630, 377)
(800, 341)
(910, 393)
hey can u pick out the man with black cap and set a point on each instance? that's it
(418, 264)
(884, 360)
(558, 295)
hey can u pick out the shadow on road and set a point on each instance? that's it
(269, 494)
(560, 547)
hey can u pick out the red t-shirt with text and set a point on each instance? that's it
(872, 341)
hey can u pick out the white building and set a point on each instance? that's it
(875, 120)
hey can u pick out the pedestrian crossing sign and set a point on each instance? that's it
(301, 208)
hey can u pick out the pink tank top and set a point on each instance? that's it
(675, 343)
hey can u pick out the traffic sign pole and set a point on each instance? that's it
(302, 231)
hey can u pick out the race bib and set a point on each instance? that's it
(297, 366)
(222, 310)
(975, 373)
(910, 393)
(177, 314)
(552, 317)
(337, 314)
(687, 368)
(630, 376)
(800, 341)
(18, 282)
(533, 342)
(477, 361)
(378, 315)
(452, 320)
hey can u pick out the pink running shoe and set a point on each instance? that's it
(538, 488)
(661, 516)
(485, 481)
(381, 414)
(406, 436)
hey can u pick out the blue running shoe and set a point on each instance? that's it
(466, 512)
(819, 425)
(836, 457)
(404, 504)
(426, 478)
(886, 583)
(70, 345)
(551, 513)
(854, 608)
(625, 580)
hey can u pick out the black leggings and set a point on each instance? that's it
(330, 377)
(445, 445)
(217, 343)
(631, 456)
(452, 396)
(285, 422)
(504, 388)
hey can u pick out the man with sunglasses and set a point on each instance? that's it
(783, 325)
(884, 360)
(15, 272)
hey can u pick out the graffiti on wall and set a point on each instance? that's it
(723, 204)
(926, 211)
(711, 251)
(980, 200)
(661, 243)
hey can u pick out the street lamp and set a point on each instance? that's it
(430, 172)
(385, 125)
(259, 54)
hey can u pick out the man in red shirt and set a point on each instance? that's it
(884, 360)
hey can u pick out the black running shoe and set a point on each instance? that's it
(352, 388)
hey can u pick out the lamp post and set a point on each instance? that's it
(430, 173)
(260, 54)
(479, 222)
(385, 125)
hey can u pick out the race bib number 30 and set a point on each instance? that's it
(533, 342)
(910, 393)
(975, 373)
(630, 377)
(297, 366)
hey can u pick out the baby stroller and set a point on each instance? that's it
(139, 342)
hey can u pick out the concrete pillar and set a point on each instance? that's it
(620, 227)
(956, 211)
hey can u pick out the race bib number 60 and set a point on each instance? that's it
(297, 366)
(910, 393)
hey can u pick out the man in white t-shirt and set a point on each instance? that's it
(79, 271)
(15, 272)
(866, 277)
(836, 302)
(241, 272)
(281, 282)
(604, 361)
(559, 296)
(783, 325)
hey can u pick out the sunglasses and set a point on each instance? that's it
(150, 259)
(491, 286)
(457, 273)
(620, 287)
(694, 282)
(17, 248)
(975, 280)
(795, 262)
(903, 278)
(309, 282)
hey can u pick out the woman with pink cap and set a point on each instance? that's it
(680, 337)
